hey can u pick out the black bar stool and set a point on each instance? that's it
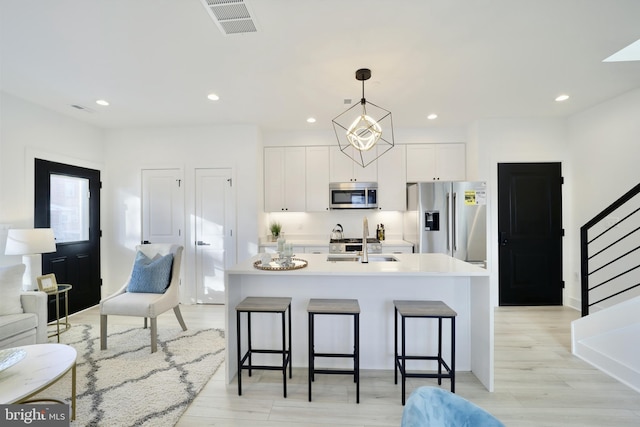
(428, 310)
(264, 305)
(345, 307)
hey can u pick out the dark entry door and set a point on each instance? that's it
(530, 233)
(67, 199)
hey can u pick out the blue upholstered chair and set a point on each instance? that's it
(435, 407)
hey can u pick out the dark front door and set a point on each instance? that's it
(67, 199)
(530, 233)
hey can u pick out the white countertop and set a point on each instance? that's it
(297, 242)
(407, 265)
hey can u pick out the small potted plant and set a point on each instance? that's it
(275, 228)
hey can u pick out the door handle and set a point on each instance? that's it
(503, 238)
(201, 243)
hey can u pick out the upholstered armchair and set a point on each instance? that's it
(432, 406)
(152, 289)
(23, 315)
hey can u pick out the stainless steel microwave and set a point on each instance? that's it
(353, 195)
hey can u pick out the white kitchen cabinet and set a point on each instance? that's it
(284, 179)
(317, 249)
(343, 169)
(392, 184)
(436, 162)
(297, 250)
(396, 249)
(317, 179)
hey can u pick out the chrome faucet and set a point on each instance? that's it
(365, 234)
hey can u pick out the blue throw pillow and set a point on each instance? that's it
(150, 275)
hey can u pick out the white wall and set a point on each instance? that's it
(604, 147)
(28, 131)
(128, 151)
(604, 143)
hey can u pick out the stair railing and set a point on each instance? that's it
(610, 261)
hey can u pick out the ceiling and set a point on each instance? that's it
(155, 61)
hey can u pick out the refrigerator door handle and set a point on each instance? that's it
(448, 225)
(454, 222)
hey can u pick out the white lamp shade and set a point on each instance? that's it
(30, 241)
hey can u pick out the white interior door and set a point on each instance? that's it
(215, 247)
(162, 206)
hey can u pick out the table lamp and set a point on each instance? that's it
(30, 243)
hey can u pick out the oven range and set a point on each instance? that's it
(352, 245)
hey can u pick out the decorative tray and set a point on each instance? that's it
(281, 264)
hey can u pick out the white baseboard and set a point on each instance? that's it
(574, 303)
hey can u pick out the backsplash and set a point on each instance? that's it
(318, 225)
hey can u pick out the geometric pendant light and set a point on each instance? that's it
(364, 131)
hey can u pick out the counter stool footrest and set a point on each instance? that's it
(264, 367)
(420, 358)
(334, 371)
(442, 363)
(265, 351)
(344, 355)
(425, 375)
(252, 366)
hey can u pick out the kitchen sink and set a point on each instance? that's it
(372, 258)
(379, 258)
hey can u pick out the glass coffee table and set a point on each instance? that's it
(33, 368)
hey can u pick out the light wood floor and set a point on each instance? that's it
(538, 382)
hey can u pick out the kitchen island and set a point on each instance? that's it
(464, 287)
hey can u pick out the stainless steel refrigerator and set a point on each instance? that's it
(448, 217)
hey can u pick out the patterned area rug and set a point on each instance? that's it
(126, 385)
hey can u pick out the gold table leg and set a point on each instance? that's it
(58, 315)
(73, 391)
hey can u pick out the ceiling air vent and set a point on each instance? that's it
(231, 16)
(82, 108)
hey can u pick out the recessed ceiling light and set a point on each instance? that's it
(311, 120)
(213, 97)
(561, 98)
(432, 116)
(102, 102)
